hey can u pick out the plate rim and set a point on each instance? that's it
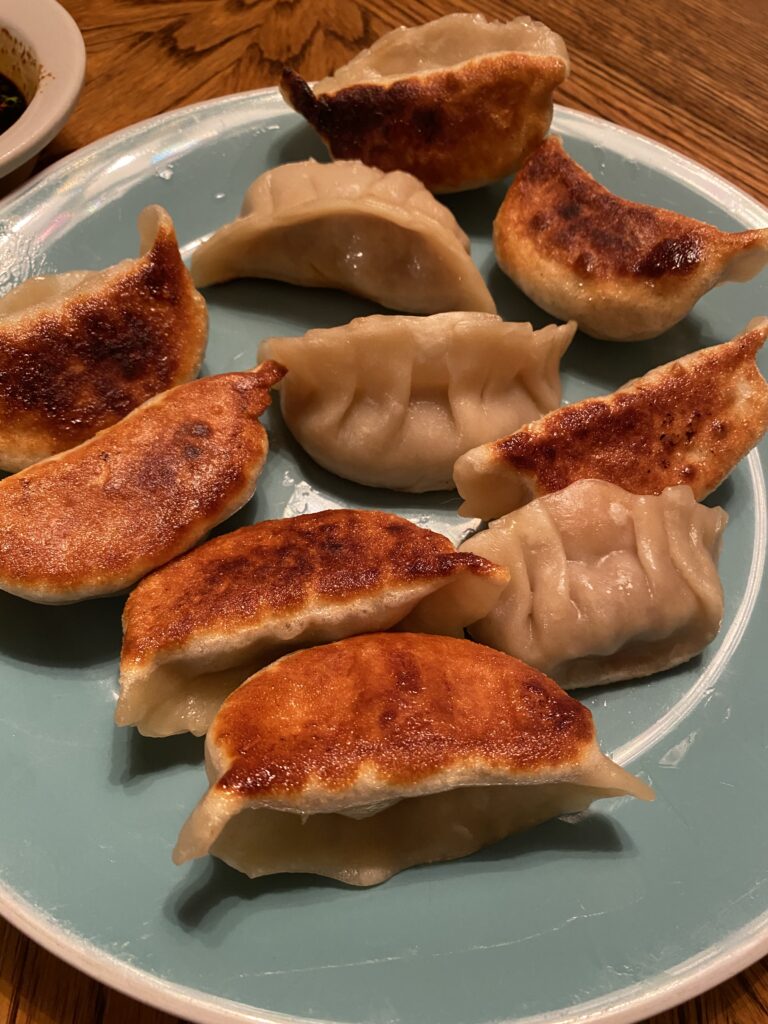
(628, 1005)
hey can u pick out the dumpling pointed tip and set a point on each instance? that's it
(758, 323)
(153, 222)
(617, 781)
(269, 372)
(637, 787)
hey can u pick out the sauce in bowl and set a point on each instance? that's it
(12, 103)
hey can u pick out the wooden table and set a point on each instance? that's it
(690, 73)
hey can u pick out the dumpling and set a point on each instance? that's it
(604, 585)
(348, 226)
(81, 349)
(195, 629)
(458, 102)
(393, 401)
(625, 271)
(687, 422)
(93, 520)
(361, 758)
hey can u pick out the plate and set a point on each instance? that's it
(611, 918)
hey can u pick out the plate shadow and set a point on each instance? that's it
(65, 636)
(200, 902)
(294, 306)
(135, 756)
(299, 143)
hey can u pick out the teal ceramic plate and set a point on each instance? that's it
(609, 918)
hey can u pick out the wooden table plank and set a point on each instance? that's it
(689, 73)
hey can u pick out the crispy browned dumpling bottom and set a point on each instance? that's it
(625, 271)
(686, 422)
(93, 520)
(78, 351)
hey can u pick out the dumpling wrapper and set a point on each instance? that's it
(604, 585)
(361, 758)
(458, 102)
(686, 422)
(198, 627)
(393, 401)
(623, 270)
(93, 520)
(348, 226)
(79, 350)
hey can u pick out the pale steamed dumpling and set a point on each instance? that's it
(442, 43)
(348, 226)
(604, 585)
(393, 401)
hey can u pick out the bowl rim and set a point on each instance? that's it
(52, 35)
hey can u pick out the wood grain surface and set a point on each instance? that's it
(690, 73)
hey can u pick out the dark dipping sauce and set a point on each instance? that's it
(12, 103)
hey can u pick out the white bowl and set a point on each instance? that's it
(42, 52)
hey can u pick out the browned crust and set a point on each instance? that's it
(407, 704)
(138, 493)
(687, 422)
(282, 567)
(75, 371)
(557, 206)
(452, 128)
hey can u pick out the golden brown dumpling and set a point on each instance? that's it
(624, 271)
(687, 422)
(79, 350)
(93, 520)
(195, 629)
(361, 758)
(459, 101)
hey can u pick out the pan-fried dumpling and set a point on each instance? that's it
(687, 422)
(604, 585)
(93, 520)
(195, 629)
(81, 349)
(348, 226)
(393, 401)
(458, 102)
(624, 270)
(361, 758)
